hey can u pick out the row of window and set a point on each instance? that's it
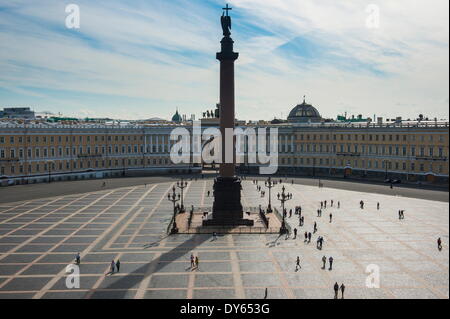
(303, 148)
(364, 164)
(82, 139)
(364, 149)
(364, 137)
(155, 138)
(66, 165)
(87, 150)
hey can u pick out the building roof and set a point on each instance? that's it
(304, 113)
(176, 117)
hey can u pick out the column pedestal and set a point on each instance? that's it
(227, 208)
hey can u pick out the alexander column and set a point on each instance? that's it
(227, 207)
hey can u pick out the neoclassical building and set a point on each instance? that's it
(307, 146)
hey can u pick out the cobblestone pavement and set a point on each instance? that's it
(39, 238)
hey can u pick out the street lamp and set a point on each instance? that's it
(182, 185)
(50, 163)
(283, 198)
(270, 184)
(174, 198)
(386, 169)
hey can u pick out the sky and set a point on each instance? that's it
(136, 59)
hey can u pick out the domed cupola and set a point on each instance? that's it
(304, 113)
(176, 117)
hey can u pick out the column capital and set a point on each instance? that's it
(227, 53)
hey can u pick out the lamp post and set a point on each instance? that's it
(270, 184)
(174, 198)
(386, 169)
(50, 163)
(283, 198)
(182, 185)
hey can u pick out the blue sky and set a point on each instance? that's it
(141, 59)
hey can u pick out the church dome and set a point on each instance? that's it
(304, 113)
(177, 117)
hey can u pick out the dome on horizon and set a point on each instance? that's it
(303, 113)
(177, 117)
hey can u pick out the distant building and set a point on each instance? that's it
(17, 113)
(177, 117)
(304, 113)
(413, 151)
(353, 119)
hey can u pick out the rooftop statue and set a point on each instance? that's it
(226, 22)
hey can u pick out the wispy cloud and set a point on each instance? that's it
(142, 59)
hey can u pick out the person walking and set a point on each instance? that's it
(295, 233)
(378, 206)
(306, 236)
(336, 290)
(324, 261)
(309, 237)
(439, 244)
(77, 259)
(112, 267)
(339, 204)
(265, 293)
(342, 290)
(192, 261)
(318, 213)
(196, 262)
(332, 203)
(325, 204)
(330, 260)
(297, 264)
(118, 265)
(315, 227)
(331, 217)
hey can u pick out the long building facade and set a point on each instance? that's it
(411, 152)
(31, 153)
(42, 152)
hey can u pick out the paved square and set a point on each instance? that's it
(39, 238)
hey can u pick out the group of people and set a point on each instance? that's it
(323, 204)
(336, 290)
(194, 262)
(401, 214)
(324, 261)
(320, 242)
(115, 265)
